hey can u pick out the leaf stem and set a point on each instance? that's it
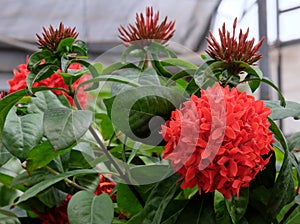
(73, 184)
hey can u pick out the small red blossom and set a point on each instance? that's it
(52, 37)
(147, 29)
(54, 81)
(243, 143)
(105, 186)
(232, 48)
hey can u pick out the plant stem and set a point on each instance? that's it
(73, 184)
(103, 148)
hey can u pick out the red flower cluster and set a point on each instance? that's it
(54, 81)
(147, 29)
(218, 148)
(59, 215)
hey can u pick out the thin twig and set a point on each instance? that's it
(73, 184)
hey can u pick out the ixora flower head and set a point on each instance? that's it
(147, 29)
(243, 151)
(52, 37)
(54, 81)
(232, 48)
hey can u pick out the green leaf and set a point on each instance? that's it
(22, 133)
(222, 215)
(157, 202)
(85, 207)
(63, 127)
(80, 46)
(43, 73)
(65, 45)
(7, 217)
(159, 68)
(206, 75)
(292, 109)
(5, 106)
(5, 155)
(147, 174)
(237, 206)
(41, 186)
(41, 155)
(140, 112)
(44, 100)
(7, 195)
(52, 197)
(283, 190)
(294, 141)
(179, 62)
(157, 48)
(200, 209)
(128, 204)
(118, 66)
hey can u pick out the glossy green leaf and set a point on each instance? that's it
(159, 198)
(222, 215)
(283, 190)
(139, 112)
(65, 45)
(85, 207)
(22, 133)
(7, 217)
(52, 197)
(147, 174)
(63, 127)
(80, 46)
(200, 209)
(39, 187)
(43, 73)
(7, 195)
(179, 62)
(28, 180)
(41, 155)
(128, 204)
(5, 106)
(292, 109)
(237, 206)
(118, 66)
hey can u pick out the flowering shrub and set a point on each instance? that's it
(156, 139)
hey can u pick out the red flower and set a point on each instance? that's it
(219, 141)
(147, 29)
(105, 186)
(54, 81)
(232, 48)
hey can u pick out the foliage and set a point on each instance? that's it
(51, 150)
